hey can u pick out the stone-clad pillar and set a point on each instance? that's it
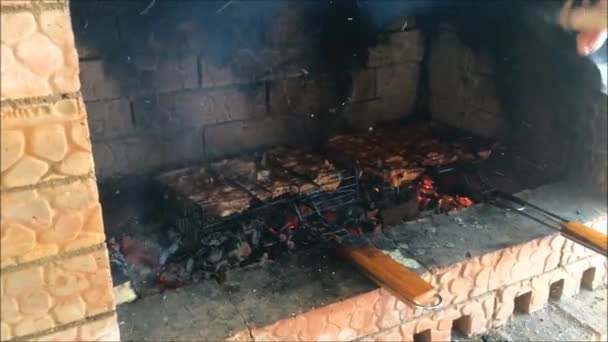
(55, 275)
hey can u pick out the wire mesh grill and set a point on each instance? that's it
(198, 212)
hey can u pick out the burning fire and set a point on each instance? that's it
(428, 197)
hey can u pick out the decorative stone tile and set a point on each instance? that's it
(60, 336)
(47, 296)
(102, 330)
(11, 149)
(392, 334)
(346, 320)
(45, 221)
(5, 331)
(459, 282)
(516, 263)
(48, 152)
(573, 278)
(49, 142)
(539, 288)
(27, 171)
(19, 26)
(26, 113)
(29, 5)
(46, 61)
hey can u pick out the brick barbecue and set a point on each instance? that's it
(267, 154)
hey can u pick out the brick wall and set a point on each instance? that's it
(165, 93)
(462, 91)
(527, 88)
(55, 275)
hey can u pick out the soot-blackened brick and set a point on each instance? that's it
(109, 118)
(236, 137)
(399, 80)
(108, 78)
(204, 107)
(302, 96)
(401, 47)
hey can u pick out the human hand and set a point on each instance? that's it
(590, 21)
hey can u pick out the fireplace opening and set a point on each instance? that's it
(462, 326)
(556, 290)
(587, 279)
(423, 336)
(227, 135)
(522, 303)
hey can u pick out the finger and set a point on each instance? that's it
(589, 42)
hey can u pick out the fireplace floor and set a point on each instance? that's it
(251, 296)
(484, 261)
(169, 318)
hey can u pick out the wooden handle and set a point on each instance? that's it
(595, 238)
(390, 274)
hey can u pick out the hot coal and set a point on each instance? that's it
(428, 197)
(266, 235)
(246, 210)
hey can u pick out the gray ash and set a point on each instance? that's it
(266, 235)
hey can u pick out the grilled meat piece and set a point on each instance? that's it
(259, 180)
(401, 154)
(307, 165)
(214, 196)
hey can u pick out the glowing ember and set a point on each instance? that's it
(428, 197)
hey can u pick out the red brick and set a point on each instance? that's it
(425, 323)
(386, 310)
(445, 324)
(505, 304)
(408, 330)
(392, 334)
(441, 335)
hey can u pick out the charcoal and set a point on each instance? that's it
(189, 265)
(215, 255)
(198, 276)
(167, 253)
(255, 237)
(221, 267)
(291, 245)
(269, 229)
(245, 250)
(214, 240)
(173, 276)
